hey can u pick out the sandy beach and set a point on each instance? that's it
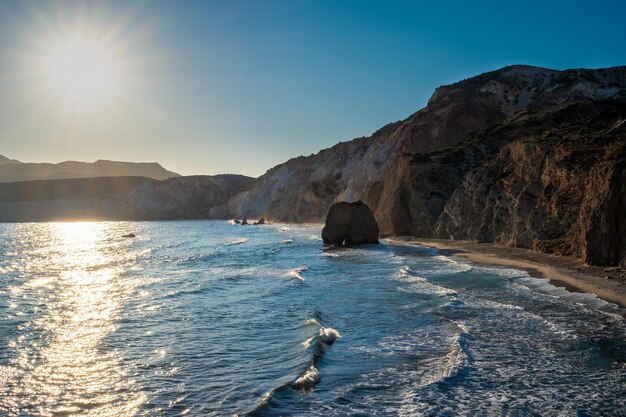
(608, 283)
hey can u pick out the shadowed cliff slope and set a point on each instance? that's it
(549, 179)
(120, 198)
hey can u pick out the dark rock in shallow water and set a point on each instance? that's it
(237, 221)
(129, 235)
(244, 221)
(350, 223)
(261, 221)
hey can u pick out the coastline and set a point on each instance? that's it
(607, 283)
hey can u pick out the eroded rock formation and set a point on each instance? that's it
(350, 224)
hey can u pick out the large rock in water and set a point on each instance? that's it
(350, 223)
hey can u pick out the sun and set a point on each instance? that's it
(80, 69)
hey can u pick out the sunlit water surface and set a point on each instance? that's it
(208, 318)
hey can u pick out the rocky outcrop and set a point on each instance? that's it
(409, 171)
(121, 198)
(303, 188)
(350, 223)
(12, 170)
(551, 180)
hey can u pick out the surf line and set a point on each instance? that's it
(325, 338)
(319, 343)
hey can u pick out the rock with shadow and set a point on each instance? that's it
(350, 224)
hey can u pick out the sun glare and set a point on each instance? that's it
(80, 69)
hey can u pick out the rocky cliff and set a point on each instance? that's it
(523, 156)
(549, 179)
(120, 198)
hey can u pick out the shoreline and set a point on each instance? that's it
(607, 283)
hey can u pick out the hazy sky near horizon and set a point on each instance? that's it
(207, 87)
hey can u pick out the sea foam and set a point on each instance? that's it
(296, 272)
(328, 335)
(420, 284)
(310, 378)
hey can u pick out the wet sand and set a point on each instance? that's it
(608, 283)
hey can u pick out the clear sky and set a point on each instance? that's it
(212, 87)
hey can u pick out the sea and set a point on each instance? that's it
(210, 318)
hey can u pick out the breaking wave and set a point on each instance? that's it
(420, 284)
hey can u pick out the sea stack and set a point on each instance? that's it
(350, 224)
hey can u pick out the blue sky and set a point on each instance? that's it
(240, 86)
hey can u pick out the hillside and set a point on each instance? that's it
(120, 198)
(5, 160)
(12, 170)
(421, 175)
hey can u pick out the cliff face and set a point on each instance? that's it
(554, 181)
(302, 189)
(120, 198)
(428, 175)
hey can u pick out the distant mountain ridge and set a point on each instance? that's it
(5, 160)
(12, 170)
(120, 198)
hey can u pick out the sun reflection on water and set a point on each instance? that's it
(73, 299)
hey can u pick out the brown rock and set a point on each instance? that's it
(350, 223)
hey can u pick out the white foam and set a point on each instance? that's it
(328, 335)
(544, 287)
(237, 241)
(503, 272)
(448, 265)
(310, 378)
(296, 272)
(307, 343)
(313, 321)
(420, 284)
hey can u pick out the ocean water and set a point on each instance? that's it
(206, 318)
